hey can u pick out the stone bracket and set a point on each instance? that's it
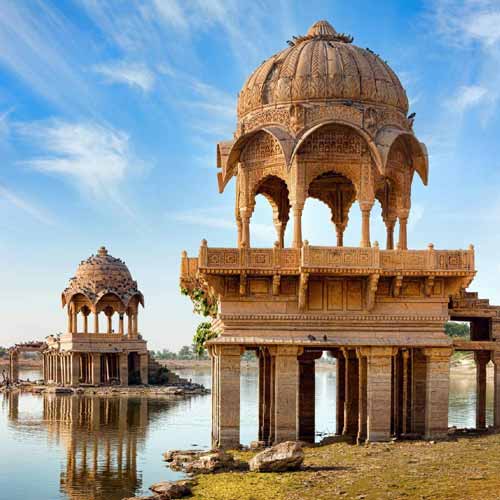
(303, 284)
(276, 284)
(243, 284)
(397, 285)
(429, 286)
(371, 291)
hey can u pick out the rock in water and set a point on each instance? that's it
(279, 458)
(201, 462)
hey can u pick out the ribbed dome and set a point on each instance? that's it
(323, 65)
(99, 275)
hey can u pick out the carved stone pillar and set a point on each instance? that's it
(419, 383)
(403, 225)
(144, 368)
(339, 229)
(379, 361)
(123, 361)
(406, 396)
(96, 368)
(239, 225)
(307, 387)
(226, 396)
(245, 227)
(437, 392)
(85, 322)
(351, 393)
(120, 324)
(75, 369)
(481, 358)
(266, 395)
(362, 398)
(96, 322)
(286, 390)
(297, 226)
(389, 225)
(495, 357)
(341, 372)
(365, 224)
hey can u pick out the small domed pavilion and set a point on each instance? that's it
(328, 120)
(87, 353)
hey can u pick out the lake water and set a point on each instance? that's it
(107, 448)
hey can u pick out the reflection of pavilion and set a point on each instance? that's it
(102, 436)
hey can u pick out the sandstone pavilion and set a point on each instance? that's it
(328, 120)
(102, 344)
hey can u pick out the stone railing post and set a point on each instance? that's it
(203, 254)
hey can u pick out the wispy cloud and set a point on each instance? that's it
(32, 47)
(260, 233)
(132, 74)
(95, 158)
(467, 97)
(465, 25)
(4, 125)
(22, 204)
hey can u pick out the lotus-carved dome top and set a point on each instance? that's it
(322, 66)
(99, 275)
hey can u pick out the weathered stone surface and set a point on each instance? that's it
(205, 462)
(171, 489)
(279, 458)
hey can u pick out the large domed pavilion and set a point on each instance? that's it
(329, 120)
(117, 354)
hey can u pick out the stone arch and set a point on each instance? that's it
(229, 153)
(338, 193)
(389, 137)
(275, 189)
(370, 144)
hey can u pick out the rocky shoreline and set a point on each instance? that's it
(180, 390)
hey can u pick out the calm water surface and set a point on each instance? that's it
(106, 448)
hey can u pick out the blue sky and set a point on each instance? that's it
(110, 112)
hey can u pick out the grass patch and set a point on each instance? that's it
(466, 468)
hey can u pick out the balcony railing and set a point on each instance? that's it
(325, 259)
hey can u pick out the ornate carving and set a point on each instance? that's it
(243, 284)
(297, 117)
(371, 291)
(371, 120)
(262, 147)
(303, 285)
(276, 284)
(397, 285)
(429, 286)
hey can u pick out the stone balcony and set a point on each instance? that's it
(329, 260)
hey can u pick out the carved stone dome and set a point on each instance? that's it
(323, 65)
(100, 275)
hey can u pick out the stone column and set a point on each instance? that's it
(379, 361)
(403, 223)
(144, 368)
(406, 396)
(365, 224)
(96, 368)
(297, 226)
(226, 400)
(75, 369)
(495, 357)
(340, 406)
(307, 393)
(110, 322)
(265, 395)
(123, 360)
(96, 322)
(362, 397)
(58, 369)
(389, 225)
(245, 227)
(437, 392)
(419, 384)
(351, 393)
(14, 367)
(482, 358)
(85, 322)
(286, 391)
(120, 324)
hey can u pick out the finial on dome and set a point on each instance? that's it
(102, 252)
(321, 28)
